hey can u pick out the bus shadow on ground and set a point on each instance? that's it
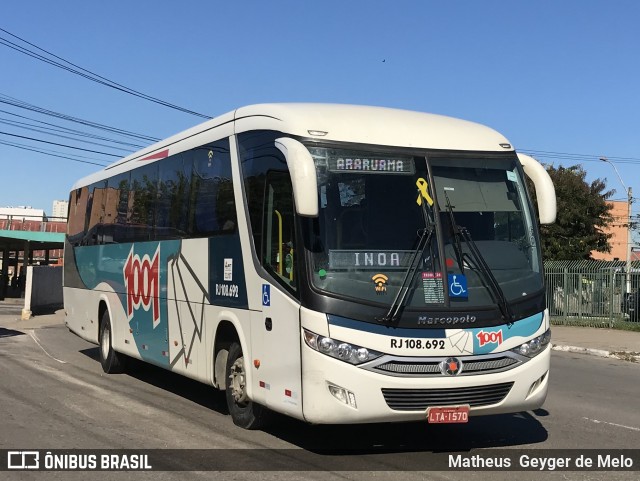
(4, 332)
(496, 431)
(177, 384)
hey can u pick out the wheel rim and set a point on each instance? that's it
(237, 382)
(105, 341)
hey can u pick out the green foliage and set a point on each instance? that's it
(583, 213)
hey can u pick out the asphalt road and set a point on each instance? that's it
(54, 395)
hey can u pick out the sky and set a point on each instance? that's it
(558, 78)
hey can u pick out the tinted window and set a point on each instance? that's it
(258, 155)
(142, 202)
(77, 213)
(94, 213)
(172, 215)
(186, 195)
(116, 208)
(212, 206)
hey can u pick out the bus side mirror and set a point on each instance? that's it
(545, 192)
(303, 175)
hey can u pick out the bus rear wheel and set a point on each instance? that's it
(244, 412)
(111, 361)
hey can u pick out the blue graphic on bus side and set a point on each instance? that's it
(266, 295)
(227, 288)
(138, 274)
(489, 339)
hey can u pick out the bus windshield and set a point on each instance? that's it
(375, 207)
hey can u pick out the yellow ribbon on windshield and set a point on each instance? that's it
(422, 187)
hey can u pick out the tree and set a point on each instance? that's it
(583, 213)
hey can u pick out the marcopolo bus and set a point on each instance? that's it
(335, 263)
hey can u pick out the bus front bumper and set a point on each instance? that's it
(335, 392)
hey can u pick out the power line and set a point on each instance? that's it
(60, 128)
(87, 74)
(34, 129)
(14, 102)
(60, 145)
(578, 157)
(49, 153)
(596, 157)
(50, 127)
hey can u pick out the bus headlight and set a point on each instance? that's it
(535, 346)
(326, 344)
(340, 350)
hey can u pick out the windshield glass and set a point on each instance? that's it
(487, 200)
(375, 207)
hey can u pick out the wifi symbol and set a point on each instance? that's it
(380, 281)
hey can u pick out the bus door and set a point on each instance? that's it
(276, 330)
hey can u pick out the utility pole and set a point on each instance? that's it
(629, 201)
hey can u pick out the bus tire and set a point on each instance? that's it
(111, 361)
(244, 412)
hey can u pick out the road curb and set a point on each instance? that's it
(622, 355)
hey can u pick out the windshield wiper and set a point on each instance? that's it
(477, 262)
(455, 230)
(397, 306)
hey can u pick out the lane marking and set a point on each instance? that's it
(35, 338)
(595, 421)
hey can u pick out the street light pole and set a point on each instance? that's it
(629, 199)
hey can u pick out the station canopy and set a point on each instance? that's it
(14, 240)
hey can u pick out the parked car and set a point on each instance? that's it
(631, 305)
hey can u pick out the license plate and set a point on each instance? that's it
(448, 414)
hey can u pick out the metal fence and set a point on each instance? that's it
(591, 293)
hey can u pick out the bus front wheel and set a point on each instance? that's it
(244, 412)
(111, 361)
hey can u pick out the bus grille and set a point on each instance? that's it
(421, 399)
(432, 367)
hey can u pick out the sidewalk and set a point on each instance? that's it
(597, 342)
(11, 312)
(612, 343)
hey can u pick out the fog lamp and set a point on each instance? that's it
(343, 395)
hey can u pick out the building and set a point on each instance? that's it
(59, 210)
(19, 225)
(22, 214)
(619, 230)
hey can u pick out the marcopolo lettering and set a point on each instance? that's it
(142, 283)
(429, 320)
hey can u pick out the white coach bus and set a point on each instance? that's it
(335, 263)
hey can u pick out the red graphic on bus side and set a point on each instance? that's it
(142, 283)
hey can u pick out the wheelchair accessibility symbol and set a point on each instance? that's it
(266, 295)
(457, 285)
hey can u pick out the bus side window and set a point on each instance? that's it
(212, 205)
(173, 200)
(143, 188)
(77, 213)
(115, 211)
(94, 214)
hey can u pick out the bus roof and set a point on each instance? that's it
(333, 122)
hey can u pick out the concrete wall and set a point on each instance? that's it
(43, 290)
